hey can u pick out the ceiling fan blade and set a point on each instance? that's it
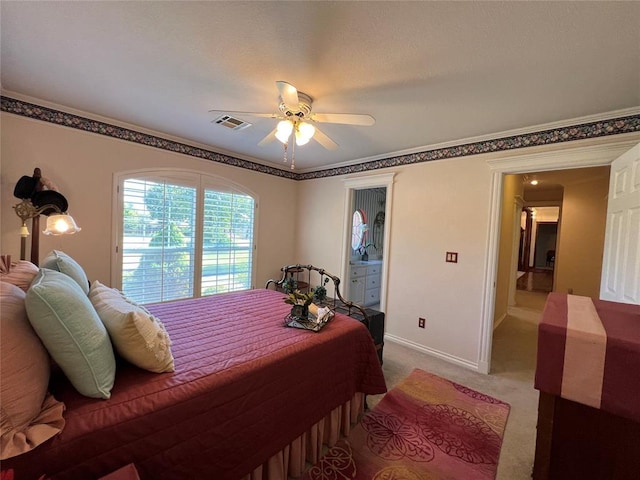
(323, 140)
(268, 139)
(289, 95)
(253, 114)
(344, 118)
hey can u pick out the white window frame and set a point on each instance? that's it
(201, 181)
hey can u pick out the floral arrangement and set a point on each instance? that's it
(298, 298)
(300, 303)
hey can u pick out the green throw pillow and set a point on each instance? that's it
(70, 329)
(60, 261)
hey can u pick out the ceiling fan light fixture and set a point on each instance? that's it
(304, 133)
(283, 130)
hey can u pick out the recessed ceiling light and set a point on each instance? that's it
(534, 182)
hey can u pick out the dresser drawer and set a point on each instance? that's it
(357, 272)
(372, 296)
(373, 282)
(373, 269)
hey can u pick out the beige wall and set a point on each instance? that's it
(436, 207)
(82, 165)
(581, 237)
(512, 187)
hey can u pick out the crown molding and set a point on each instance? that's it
(615, 123)
(585, 153)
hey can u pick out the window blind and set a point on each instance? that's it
(158, 247)
(227, 247)
(183, 235)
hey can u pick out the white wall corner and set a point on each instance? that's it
(483, 367)
(497, 323)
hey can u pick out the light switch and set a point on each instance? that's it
(452, 257)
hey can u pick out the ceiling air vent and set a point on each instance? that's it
(231, 122)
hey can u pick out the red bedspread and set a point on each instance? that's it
(244, 387)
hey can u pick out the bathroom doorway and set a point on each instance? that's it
(366, 239)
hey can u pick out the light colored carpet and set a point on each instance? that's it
(510, 380)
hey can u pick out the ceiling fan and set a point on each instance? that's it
(297, 119)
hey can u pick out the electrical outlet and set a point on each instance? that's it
(421, 322)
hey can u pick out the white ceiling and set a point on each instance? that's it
(429, 72)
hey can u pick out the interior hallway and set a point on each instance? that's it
(535, 281)
(510, 380)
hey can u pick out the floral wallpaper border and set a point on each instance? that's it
(601, 128)
(26, 109)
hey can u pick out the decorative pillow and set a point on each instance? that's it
(29, 415)
(138, 336)
(68, 325)
(21, 274)
(60, 261)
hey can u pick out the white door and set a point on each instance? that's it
(621, 263)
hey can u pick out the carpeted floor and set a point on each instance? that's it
(511, 379)
(425, 427)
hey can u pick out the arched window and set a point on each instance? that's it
(182, 234)
(358, 229)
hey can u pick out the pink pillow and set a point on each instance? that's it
(29, 415)
(20, 274)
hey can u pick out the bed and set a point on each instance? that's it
(249, 398)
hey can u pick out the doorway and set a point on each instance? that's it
(538, 244)
(371, 196)
(545, 245)
(554, 241)
(367, 247)
(554, 158)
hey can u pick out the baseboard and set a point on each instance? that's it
(497, 323)
(434, 353)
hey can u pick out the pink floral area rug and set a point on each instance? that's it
(426, 428)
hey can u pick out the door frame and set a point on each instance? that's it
(363, 182)
(518, 203)
(585, 153)
(535, 243)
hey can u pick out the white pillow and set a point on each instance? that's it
(138, 336)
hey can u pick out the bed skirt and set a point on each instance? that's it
(291, 460)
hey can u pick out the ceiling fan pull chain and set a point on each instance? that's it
(285, 152)
(293, 156)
